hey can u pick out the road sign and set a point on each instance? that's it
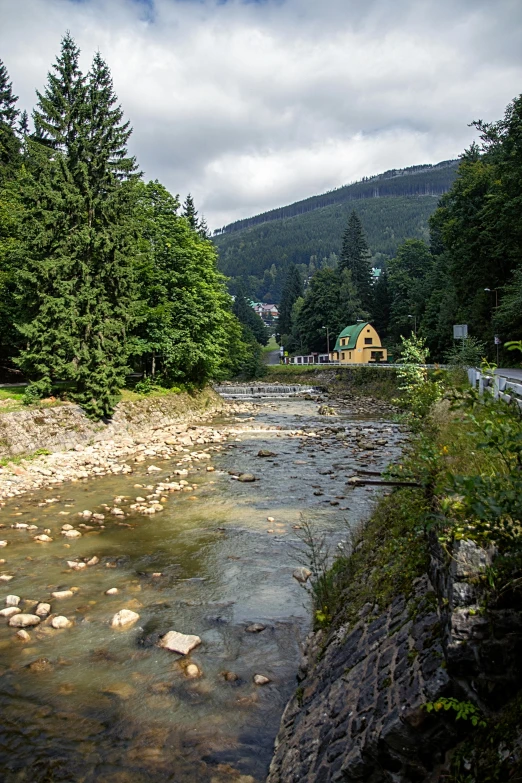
(460, 331)
(498, 341)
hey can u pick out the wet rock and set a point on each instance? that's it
(61, 622)
(117, 512)
(230, 676)
(246, 477)
(260, 679)
(24, 620)
(179, 642)
(192, 671)
(67, 527)
(62, 594)
(42, 610)
(326, 410)
(270, 519)
(43, 538)
(93, 561)
(9, 611)
(71, 533)
(255, 628)
(76, 566)
(153, 469)
(3, 543)
(112, 591)
(266, 453)
(12, 600)
(23, 636)
(302, 574)
(40, 665)
(124, 619)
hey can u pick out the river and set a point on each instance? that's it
(90, 704)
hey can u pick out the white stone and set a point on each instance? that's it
(117, 512)
(3, 543)
(179, 642)
(260, 679)
(153, 469)
(112, 591)
(23, 620)
(302, 574)
(42, 610)
(192, 671)
(93, 561)
(23, 635)
(43, 539)
(6, 578)
(12, 600)
(62, 594)
(9, 611)
(76, 566)
(71, 533)
(124, 619)
(67, 527)
(60, 622)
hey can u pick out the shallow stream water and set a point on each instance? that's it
(90, 704)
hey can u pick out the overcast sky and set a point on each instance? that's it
(252, 105)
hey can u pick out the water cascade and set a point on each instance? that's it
(263, 390)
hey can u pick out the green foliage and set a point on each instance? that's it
(418, 391)
(464, 710)
(408, 275)
(292, 291)
(355, 257)
(466, 353)
(248, 317)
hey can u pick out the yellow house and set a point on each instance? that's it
(359, 344)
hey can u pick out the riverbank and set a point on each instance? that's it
(48, 446)
(378, 382)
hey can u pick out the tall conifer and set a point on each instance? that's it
(292, 290)
(189, 212)
(9, 143)
(77, 279)
(356, 257)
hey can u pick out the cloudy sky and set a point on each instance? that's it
(252, 104)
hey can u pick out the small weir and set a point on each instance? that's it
(264, 390)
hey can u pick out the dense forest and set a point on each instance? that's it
(426, 180)
(261, 255)
(469, 269)
(101, 273)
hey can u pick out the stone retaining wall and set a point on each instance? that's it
(62, 427)
(357, 714)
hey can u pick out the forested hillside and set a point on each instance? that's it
(261, 254)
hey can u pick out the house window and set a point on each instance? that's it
(377, 356)
(342, 356)
(343, 341)
(368, 340)
(350, 355)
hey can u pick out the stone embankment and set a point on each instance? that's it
(153, 427)
(359, 713)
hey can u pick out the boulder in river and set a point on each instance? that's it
(302, 574)
(112, 591)
(246, 477)
(61, 622)
(23, 620)
(12, 600)
(42, 610)
(9, 611)
(266, 453)
(260, 679)
(43, 539)
(255, 628)
(124, 619)
(326, 410)
(179, 642)
(62, 594)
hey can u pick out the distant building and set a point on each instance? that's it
(359, 344)
(265, 311)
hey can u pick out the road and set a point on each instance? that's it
(510, 372)
(271, 357)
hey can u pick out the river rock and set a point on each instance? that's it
(260, 679)
(153, 469)
(42, 610)
(23, 620)
(71, 533)
(326, 410)
(112, 591)
(246, 477)
(62, 594)
(74, 564)
(179, 642)
(12, 600)
(43, 538)
(67, 527)
(302, 574)
(93, 561)
(9, 611)
(3, 543)
(124, 619)
(23, 635)
(61, 622)
(117, 512)
(266, 453)
(192, 671)
(255, 628)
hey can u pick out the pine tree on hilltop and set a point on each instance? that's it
(23, 125)
(76, 281)
(356, 257)
(292, 290)
(9, 144)
(189, 212)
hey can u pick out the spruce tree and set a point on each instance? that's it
(189, 212)
(292, 290)
(9, 143)
(356, 257)
(76, 282)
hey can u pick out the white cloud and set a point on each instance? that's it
(252, 105)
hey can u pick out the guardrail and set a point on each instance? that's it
(502, 387)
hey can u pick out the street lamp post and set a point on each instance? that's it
(414, 324)
(327, 340)
(497, 341)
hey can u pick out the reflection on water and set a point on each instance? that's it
(91, 703)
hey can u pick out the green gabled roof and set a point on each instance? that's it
(353, 333)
